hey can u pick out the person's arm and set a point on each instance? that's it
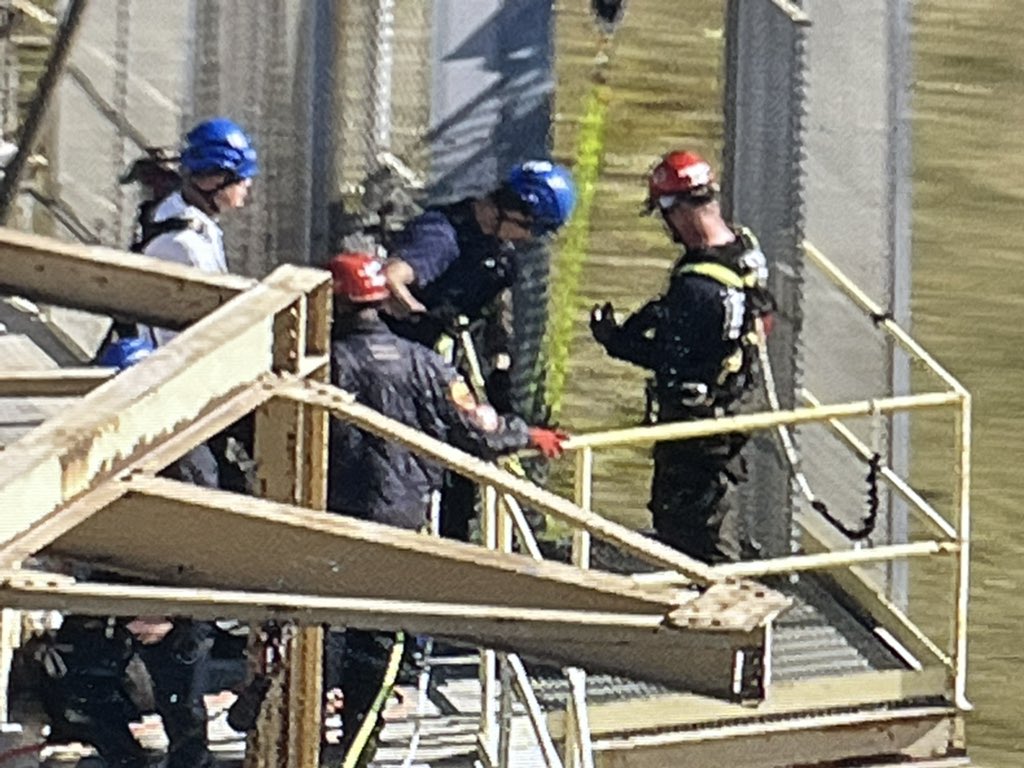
(421, 254)
(633, 341)
(476, 428)
(401, 276)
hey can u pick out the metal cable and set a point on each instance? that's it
(867, 527)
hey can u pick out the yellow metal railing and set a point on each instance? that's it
(951, 537)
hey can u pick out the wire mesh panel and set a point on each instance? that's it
(8, 72)
(858, 213)
(253, 67)
(124, 86)
(763, 189)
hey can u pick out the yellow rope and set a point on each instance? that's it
(369, 724)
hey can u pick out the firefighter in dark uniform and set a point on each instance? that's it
(106, 672)
(458, 261)
(375, 479)
(700, 340)
(455, 259)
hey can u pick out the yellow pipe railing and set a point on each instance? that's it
(955, 536)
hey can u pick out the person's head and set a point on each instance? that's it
(682, 188)
(536, 199)
(359, 281)
(218, 164)
(124, 353)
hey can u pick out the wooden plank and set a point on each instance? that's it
(151, 530)
(111, 282)
(215, 419)
(18, 416)
(119, 421)
(60, 382)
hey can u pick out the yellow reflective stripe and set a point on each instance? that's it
(717, 272)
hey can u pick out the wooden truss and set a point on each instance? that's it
(83, 486)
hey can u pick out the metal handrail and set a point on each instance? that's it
(956, 534)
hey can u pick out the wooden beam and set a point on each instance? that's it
(620, 643)
(111, 282)
(59, 382)
(116, 423)
(215, 419)
(151, 530)
(342, 405)
(697, 644)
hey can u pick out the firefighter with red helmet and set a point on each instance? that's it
(376, 479)
(699, 340)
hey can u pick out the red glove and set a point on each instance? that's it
(548, 441)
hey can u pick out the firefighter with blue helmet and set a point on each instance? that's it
(215, 168)
(217, 165)
(457, 263)
(700, 342)
(454, 259)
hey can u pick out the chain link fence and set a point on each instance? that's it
(847, 197)
(763, 189)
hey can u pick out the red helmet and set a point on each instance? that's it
(679, 175)
(359, 277)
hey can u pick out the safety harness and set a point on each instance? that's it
(739, 270)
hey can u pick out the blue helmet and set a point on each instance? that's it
(219, 145)
(546, 191)
(125, 353)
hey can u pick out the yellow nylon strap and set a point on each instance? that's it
(716, 272)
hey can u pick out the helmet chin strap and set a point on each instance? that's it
(207, 196)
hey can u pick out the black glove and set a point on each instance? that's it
(244, 713)
(602, 323)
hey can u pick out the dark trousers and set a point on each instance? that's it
(694, 500)
(367, 678)
(179, 667)
(93, 708)
(91, 703)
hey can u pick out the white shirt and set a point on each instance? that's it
(200, 245)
